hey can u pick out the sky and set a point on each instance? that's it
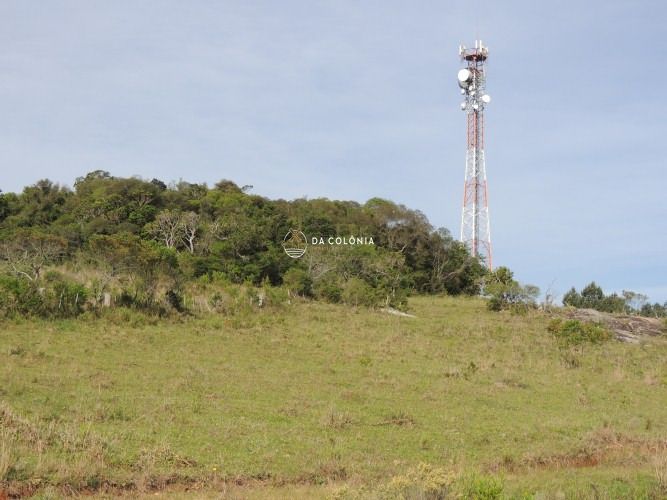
(356, 99)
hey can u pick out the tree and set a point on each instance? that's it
(118, 254)
(4, 206)
(591, 295)
(572, 298)
(654, 310)
(357, 292)
(28, 251)
(159, 184)
(227, 230)
(127, 259)
(38, 205)
(297, 282)
(189, 229)
(634, 301)
(167, 228)
(106, 204)
(505, 292)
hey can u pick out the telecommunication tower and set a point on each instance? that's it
(475, 224)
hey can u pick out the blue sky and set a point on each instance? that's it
(350, 100)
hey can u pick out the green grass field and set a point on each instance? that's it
(313, 400)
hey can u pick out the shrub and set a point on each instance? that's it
(64, 299)
(328, 288)
(18, 297)
(274, 296)
(423, 482)
(573, 332)
(592, 297)
(357, 292)
(175, 300)
(298, 282)
(56, 297)
(219, 302)
(483, 488)
(506, 293)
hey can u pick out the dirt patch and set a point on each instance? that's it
(603, 447)
(325, 473)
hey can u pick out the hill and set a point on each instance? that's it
(314, 400)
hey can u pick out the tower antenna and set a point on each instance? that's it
(475, 224)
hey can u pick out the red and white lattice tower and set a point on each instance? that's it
(475, 224)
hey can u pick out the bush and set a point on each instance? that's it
(56, 297)
(506, 293)
(357, 292)
(495, 304)
(483, 488)
(328, 288)
(175, 300)
(592, 297)
(298, 282)
(573, 332)
(64, 299)
(423, 482)
(18, 297)
(273, 296)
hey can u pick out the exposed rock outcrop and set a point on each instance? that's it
(626, 328)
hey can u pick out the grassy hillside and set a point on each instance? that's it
(315, 400)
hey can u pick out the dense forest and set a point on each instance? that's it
(145, 244)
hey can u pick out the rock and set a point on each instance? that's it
(626, 328)
(396, 312)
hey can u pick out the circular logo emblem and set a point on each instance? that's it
(295, 243)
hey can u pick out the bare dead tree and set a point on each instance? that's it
(27, 252)
(190, 228)
(167, 227)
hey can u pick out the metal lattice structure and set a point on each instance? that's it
(475, 223)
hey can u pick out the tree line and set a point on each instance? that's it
(628, 302)
(146, 242)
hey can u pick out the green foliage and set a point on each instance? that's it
(145, 273)
(4, 206)
(104, 204)
(655, 310)
(356, 292)
(175, 300)
(480, 487)
(592, 297)
(55, 297)
(573, 332)
(506, 293)
(26, 252)
(144, 238)
(18, 297)
(329, 288)
(63, 297)
(38, 205)
(298, 282)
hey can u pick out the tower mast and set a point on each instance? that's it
(475, 224)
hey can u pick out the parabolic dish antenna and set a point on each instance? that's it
(464, 76)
